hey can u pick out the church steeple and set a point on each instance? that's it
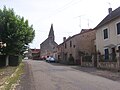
(51, 33)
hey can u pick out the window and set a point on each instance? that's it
(118, 28)
(106, 53)
(105, 31)
(74, 46)
(70, 43)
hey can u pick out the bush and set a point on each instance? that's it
(87, 58)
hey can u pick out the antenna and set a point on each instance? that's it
(80, 21)
(88, 24)
(80, 25)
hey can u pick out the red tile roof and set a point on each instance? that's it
(35, 50)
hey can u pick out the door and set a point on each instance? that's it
(106, 54)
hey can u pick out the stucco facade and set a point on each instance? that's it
(113, 39)
(108, 41)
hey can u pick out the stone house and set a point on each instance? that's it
(48, 47)
(108, 40)
(86, 49)
(76, 45)
(60, 52)
(35, 54)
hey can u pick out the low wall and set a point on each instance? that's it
(87, 64)
(108, 65)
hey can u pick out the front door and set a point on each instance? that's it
(66, 58)
(106, 54)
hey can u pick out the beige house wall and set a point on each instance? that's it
(113, 38)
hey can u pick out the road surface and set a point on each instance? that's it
(41, 75)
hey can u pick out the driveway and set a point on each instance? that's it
(41, 75)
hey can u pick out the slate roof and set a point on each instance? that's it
(51, 33)
(82, 32)
(113, 15)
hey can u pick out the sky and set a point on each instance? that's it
(67, 16)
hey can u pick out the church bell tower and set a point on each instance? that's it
(51, 33)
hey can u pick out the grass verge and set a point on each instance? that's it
(13, 80)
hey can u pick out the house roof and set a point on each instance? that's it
(82, 32)
(113, 15)
(35, 50)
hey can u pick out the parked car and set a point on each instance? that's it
(26, 58)
(50, 59)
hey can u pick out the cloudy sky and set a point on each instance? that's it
(68, 16)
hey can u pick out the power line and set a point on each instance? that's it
(72, 2)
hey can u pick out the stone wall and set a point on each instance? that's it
(87, 64)
(108, 65)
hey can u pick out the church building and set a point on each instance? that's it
(48, 47)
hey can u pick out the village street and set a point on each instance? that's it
(41, 75)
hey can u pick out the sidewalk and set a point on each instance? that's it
(113, 75)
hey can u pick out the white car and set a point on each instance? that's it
(47, 59)
(26, 58)
(50, 59)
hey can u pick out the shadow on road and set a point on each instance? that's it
(94, 71)
(100, 72)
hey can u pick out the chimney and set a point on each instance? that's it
(64, 38)
(109, 10)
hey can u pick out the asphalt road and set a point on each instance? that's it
(41, 75)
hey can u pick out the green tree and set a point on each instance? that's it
(15, 32)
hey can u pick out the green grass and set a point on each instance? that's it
(13, 79)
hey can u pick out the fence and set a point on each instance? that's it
(110, 61)
(12, 60)
(87, 61)
(108, 58)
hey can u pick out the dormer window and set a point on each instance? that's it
(105, 31)
(118, 28)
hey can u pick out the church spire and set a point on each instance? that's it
(51, 33)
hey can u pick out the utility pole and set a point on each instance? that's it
(88, 24)
(80, 20)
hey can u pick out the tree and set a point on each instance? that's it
(15, 32)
